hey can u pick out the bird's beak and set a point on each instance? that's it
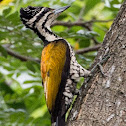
(58, 11)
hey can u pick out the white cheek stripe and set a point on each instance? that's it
(38, 24)
(48, 37)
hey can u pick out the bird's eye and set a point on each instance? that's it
(47, 9)
(31, 8)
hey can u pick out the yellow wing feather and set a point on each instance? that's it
(52, 63)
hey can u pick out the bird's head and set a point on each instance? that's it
(39, 16)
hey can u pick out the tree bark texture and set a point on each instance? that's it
(103, 99)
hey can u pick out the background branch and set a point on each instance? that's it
(25, 58)
(18, 56)
(79, 23)
(88, 49)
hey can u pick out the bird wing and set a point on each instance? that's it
(52, 64)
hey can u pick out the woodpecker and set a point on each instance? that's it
(60, 70)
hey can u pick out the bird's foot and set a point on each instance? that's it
(99, 66)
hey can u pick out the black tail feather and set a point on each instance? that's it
(60, 121)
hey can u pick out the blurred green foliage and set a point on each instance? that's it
(22, 99)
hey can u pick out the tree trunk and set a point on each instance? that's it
(103, 100)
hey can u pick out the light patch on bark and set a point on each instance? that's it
(110, 117)
(75, 114)
(112, 69)
(118, 102)
(119, 79)
(121, 113)
(108, 83)
(109, 79)
(106, 51)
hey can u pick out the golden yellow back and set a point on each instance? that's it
(52, 63)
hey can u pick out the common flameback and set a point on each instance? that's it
(59, 68)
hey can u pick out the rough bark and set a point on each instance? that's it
(103, 100)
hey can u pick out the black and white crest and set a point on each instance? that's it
(39, 19)
(32, 15)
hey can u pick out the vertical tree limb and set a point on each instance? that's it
(103, 99)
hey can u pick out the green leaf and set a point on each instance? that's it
(10, 74)
(3, 51)
(14, 18)
(84, 43)
(32, 81)
(30, 66)
(7, 11)
(8, 68)
(39, 112)
(4, 34)
(90, 4)
(18, 74)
